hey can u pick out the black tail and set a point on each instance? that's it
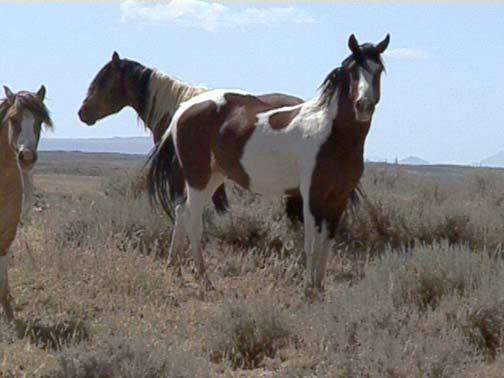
(165, 182)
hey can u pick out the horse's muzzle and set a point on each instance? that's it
(27, 158)
(364, 109)
(84, 117)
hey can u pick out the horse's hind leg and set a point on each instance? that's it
(178, 238)
(196, 201)
(4, 287)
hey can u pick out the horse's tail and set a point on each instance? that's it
(165, 180)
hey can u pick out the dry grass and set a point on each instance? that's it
(415, 285)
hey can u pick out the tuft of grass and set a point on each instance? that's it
(484, 327)
(424, 275)
(54, 335)
(119, 356)
(245, 333)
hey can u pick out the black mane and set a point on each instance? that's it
(141, 76)
(367, 52)
(337, 78)
(330, 84)
(134, 71)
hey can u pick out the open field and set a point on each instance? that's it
(415, 283)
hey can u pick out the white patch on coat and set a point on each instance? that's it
(27, 139)
(365, 87)
(279, 160)
(216, 95)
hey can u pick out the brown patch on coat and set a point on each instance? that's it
(196, 129)
(339, 167)
(205, 130)
(282, 119)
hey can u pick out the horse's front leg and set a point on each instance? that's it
(27, 192)
(4, 286)
(326, 230)
(310, 241)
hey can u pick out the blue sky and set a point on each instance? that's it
(442, 98)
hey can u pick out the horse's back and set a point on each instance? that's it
(214, 124)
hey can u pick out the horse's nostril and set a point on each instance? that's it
(26, 155)
(365, 106)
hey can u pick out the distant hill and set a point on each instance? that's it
(496, 160)
(127, 145)
(413, 160)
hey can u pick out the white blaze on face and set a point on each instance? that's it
(365, 89)
(27, 140)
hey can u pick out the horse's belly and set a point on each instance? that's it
(271, 166)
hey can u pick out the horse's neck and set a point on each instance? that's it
(337, 123)
(347, 134)
(165, 95)
(11, 198)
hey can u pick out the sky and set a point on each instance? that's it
(442, 96)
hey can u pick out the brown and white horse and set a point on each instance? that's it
(155, 97)
(29, 139)
(17, 112)
(315, 148)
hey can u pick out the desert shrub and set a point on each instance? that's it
(7, 331)
(126, 184)
(480, 317)
(484, 327)
(366, 331)
(122, 357)
(244, 333)
(73, 233)
(424, 275)
(54, 334)
(239, 229)
(402, 209)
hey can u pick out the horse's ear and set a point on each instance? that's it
(115, 57)
(9, 94)
(41, 93)
(353, 45)
(382, 46)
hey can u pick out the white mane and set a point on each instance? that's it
(165, 96)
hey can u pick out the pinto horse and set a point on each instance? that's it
(155, 97)
(17, 112)
(315, 148)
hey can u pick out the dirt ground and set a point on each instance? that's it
(415, 282)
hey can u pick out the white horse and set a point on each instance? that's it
(315, 148)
